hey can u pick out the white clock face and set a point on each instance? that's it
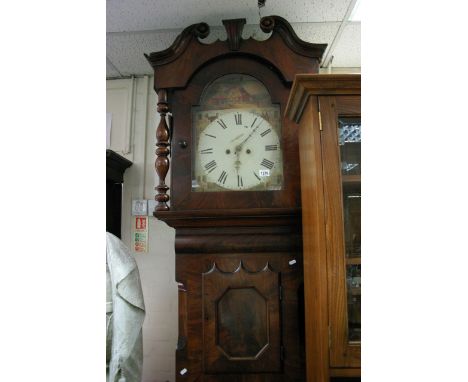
(238, 151)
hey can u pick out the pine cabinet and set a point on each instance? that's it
(327, 109)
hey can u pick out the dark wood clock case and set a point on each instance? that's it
(238, 254)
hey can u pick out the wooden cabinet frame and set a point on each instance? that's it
(342, 353)
(314, 104)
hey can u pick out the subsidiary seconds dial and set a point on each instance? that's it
(239, 150)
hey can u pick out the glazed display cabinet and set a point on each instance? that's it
(327, 109)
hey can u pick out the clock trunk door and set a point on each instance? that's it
(241, 327)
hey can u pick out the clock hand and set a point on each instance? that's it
(246, 139)
(237, 163)
(236, 138)
(238, 148)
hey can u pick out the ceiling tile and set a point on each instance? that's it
(140, 15)
(125, 50)
(347, 52)
(319, 33)
(317, 11)
(110, 70)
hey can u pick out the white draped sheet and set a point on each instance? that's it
(128, 313)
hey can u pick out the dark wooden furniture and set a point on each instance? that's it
(327, 109)
(115, 168)
(238, 253)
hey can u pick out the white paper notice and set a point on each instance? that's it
(108, 129)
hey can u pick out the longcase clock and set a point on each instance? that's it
(234, 199)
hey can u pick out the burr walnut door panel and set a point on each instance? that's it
(241, 321)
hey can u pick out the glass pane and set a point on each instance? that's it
(349, 136)
(353, 284)
(350, 145)
(352, 218)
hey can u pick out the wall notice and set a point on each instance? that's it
(140, 234)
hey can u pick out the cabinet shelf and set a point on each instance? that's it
(351, 179)
(355, 291)
(353, 261)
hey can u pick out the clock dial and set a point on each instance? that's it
(237, 132)
(239, 150)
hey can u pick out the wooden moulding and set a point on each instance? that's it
(252, 217)
(306, 85)
(187, 54)
(241, 231)
(198, 242)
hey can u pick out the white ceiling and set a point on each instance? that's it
(135, 27)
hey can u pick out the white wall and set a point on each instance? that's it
(157, 267)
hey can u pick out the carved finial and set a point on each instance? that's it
(277, 24)
(202, 30)
(267, 24)
(234, 32)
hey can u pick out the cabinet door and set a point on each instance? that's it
(341, 145)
